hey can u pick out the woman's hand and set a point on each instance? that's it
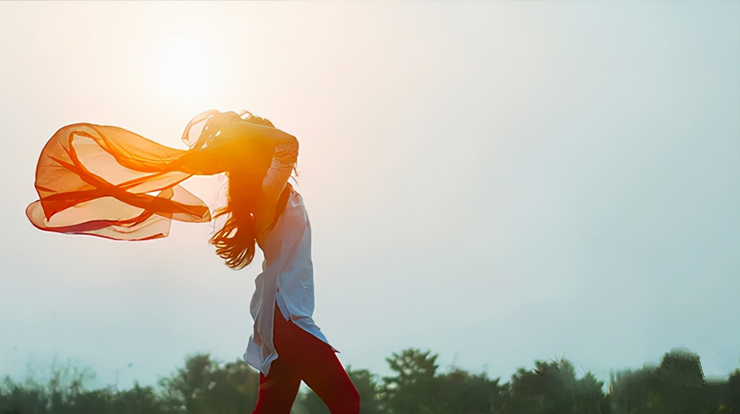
(220, 122)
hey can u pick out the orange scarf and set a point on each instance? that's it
(109, 182)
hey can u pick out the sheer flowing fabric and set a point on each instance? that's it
(110, 182)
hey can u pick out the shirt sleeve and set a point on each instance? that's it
(279, 172)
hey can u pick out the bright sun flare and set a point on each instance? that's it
(183, 67)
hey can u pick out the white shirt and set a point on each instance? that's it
(287, 273)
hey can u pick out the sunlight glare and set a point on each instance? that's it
(184, 67)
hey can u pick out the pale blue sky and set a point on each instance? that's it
(497, 182)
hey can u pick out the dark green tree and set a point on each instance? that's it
(204, 386)
(631, 391)
(188, 384)
(137, 400)
(732, 394)
(676, 386)
(18, 398)
(57, 396)
(682, 388)
(552, 388)
(461, 392)
(412, 390)
(589, 397)
(94, 401)
(544, 390)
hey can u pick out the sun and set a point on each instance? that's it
(184, 67)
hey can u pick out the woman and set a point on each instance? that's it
(133, 194)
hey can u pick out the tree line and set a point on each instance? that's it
(416, 386)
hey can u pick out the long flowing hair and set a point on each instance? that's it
(236, 241)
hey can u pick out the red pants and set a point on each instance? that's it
(302, 356)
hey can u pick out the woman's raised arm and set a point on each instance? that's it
(229, 142)
(228, 128)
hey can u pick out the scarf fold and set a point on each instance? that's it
(110, 182)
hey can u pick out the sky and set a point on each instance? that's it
(497, 182)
